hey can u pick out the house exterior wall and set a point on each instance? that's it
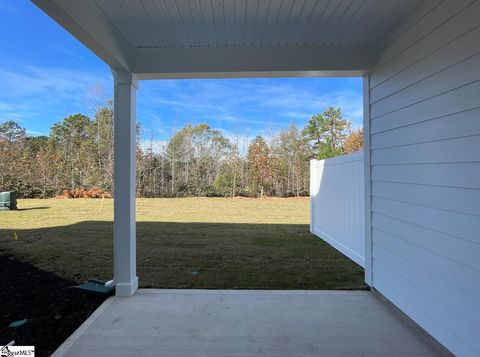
(337, 203)
(425, 171)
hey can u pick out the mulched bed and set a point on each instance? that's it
(53, 310)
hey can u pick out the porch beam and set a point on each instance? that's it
(238, 61)
(125, 87)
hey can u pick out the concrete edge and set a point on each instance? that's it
(250, 291)
(441, 349)
(70, 341)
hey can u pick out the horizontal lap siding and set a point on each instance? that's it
(425, 171)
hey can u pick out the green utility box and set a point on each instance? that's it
(8, 200)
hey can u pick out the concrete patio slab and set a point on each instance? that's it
(247, 323)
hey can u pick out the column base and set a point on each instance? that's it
(126, 289)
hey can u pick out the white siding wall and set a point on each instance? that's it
(425, 171)
(337, 203)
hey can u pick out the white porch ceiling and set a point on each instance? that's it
(178, 38)
(204, 23)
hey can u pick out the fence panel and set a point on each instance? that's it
(337, 204)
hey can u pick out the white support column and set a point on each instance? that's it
(125, 132)
(368, 183)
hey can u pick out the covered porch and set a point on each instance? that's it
(149, 40)
(419, 61)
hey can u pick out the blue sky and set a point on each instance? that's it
(46, 74)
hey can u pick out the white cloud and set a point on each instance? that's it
(28, 91)
(255, 102)
(34, 80)
(6, 106)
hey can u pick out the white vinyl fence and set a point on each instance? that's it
(337, 204)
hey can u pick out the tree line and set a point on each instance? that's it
(196, 161)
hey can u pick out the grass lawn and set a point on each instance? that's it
(182, 243)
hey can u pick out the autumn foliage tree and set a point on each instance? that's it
(196, 160)
(259, 166)
(354, 141)
(13, 139)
